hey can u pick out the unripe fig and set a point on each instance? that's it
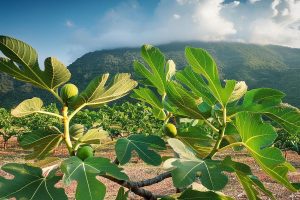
(85, 152)
(68, 91)
(170, 130)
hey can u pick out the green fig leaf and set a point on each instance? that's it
(148, 96)
(198, 140)
(202, 63)
(16, 51)
(85, 172)
(186, 168)
(143, 145)
(42, 141)
(186, 104)
(196, 84)
(28, 107)
(202, 195)
(252, 185)
(122, 195)
(97, 94)
(29, 183)
(94, 136)
(155, 74)
(258, 137)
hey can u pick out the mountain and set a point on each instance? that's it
(260, 66)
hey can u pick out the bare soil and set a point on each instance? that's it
(137, 170)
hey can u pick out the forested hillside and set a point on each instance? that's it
(260, 66)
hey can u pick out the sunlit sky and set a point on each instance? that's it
(67, 29)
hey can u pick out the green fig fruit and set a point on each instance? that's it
(85, 152)
(68, 91)
(170, 130)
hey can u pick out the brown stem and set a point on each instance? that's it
(135, 187)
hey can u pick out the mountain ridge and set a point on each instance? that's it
(259, 65)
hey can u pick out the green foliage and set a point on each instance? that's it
(251, 183)
(97, 93)
(141, 145)
(29, 183)
(257, 137)
(194, 194)
(42, 141)
(210, 116)
(187, 167)
(85, 172)
(217, 121)
(121, 119)
(28, 107)
(54, 75)
(202, 63)
(122, 195)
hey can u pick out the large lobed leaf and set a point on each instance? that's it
(97, 93)
(202, 63)
(252, 185)
(85, 172)
(186, 168)
(28, 107)
(184, 102)
(197, 139)
(93, 136)
(257, 137)
(42, 141)
(29, 183)
(196, 84)
(155, 74)
(143, 146)
(148, 96)
(267, 101)
(22, 64)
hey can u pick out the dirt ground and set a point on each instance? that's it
(137, 170)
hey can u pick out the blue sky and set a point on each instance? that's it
(67, 29)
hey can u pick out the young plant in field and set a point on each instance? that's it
(203, 115)
(211, 116)
(37, 180)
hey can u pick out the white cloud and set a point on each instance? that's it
(125, 25)
(285, 12)
(176, 16)
(253, 1)
(69, 24)
(274, 5)
(282, 28)
(235, 4)
(266, 22)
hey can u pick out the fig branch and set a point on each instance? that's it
(135, 187)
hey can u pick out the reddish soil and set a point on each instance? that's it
(137, 170)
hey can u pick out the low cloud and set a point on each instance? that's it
(254, 21)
